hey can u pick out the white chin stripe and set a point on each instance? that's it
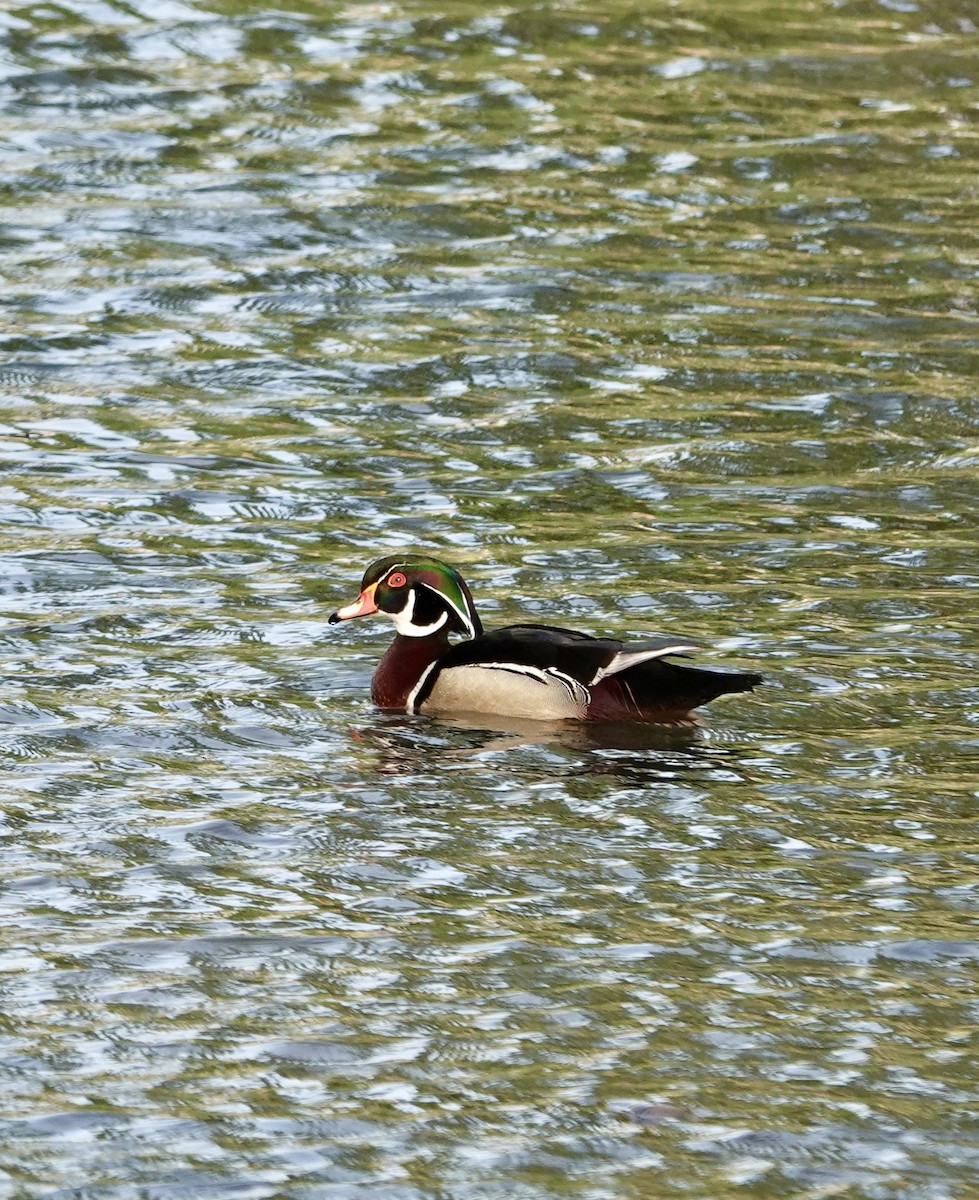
(406, 627)
(463, 616)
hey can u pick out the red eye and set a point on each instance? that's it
(397, 580)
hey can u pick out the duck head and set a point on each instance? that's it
(422, 596)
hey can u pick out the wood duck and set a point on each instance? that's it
(538, 672)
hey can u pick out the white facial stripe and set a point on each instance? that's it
(404, 624)
(422, 630)
(403, 619)
(463, 616)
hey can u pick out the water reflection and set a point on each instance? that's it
(409, 746)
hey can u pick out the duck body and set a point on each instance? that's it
(527, 671)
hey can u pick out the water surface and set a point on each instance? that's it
(652, 319)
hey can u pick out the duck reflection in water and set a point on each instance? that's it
(640, 753)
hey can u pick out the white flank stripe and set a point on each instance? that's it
(577, 691)
(515, 669)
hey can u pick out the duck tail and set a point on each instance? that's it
(665, 691)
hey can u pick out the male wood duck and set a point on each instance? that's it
(538, 672)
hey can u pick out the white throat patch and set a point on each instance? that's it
(404, 624)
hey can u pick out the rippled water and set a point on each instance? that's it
(653, 319)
